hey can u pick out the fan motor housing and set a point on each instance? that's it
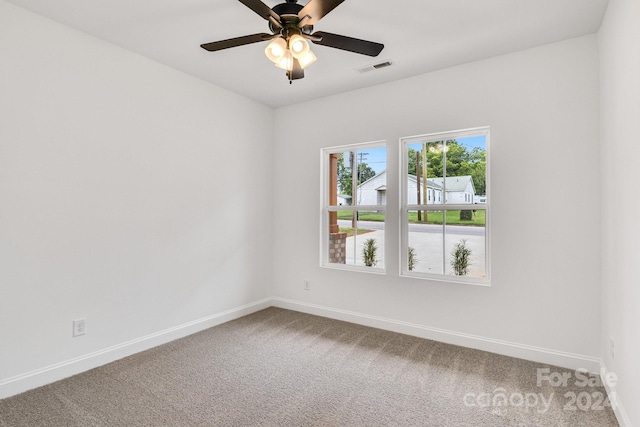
(291, 8)
(289, 14)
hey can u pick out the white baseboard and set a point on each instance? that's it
(522, 351)
(616, 405)
(39, 377)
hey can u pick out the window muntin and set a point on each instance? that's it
(354, 207)
(444, 222)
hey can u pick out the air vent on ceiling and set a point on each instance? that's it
(378, 66)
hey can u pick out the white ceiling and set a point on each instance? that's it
(419, 36)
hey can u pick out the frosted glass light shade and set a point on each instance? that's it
(298, 45)
(307, 59)
(276, 50)
(286, 61)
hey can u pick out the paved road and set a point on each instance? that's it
(419, 228)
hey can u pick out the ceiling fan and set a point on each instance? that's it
(291, 26)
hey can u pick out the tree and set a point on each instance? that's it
(411, 161)
(479, 160)
(345, 178)
(435, 158)
(460, 161)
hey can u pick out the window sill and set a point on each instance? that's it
(475, 281)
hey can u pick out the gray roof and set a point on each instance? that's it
(374, 177)
(430, 182)
(455, 183)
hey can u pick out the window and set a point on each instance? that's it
(445, 240)
(353, 207)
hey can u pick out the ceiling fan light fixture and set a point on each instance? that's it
(286, 61)
(276, 50)
(299, 46)
(307, 59)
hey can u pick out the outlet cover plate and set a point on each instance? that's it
(79, 327)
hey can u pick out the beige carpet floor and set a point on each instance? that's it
(283, 368)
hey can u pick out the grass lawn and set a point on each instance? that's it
(350, 233)
(434, 217)
(363, 216)
(453, 218)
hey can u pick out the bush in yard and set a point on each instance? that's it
(411, 258)
(369, 252)
(460, 258)
(466, 215)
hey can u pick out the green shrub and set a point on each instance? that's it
(460, 261)
(411, 258)
(466, 215)
(369, 252)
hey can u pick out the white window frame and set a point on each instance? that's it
(326, 207)
(405, 208)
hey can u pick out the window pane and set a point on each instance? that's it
(424, 173)
(366, 248)
(372, 178)
(339, 231)
(371, 181)
(424, 252)
(348, 239)
(465, 169)
(340, 178)
(465, 243)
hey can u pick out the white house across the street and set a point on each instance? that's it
(344, 200)
(458, 189)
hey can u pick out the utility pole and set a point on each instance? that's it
(355, 174)
(362, 158)
(418, 182)
(424, 179)
(354, 184)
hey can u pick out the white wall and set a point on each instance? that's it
(122, 197)
(542, 107)
(619, 44)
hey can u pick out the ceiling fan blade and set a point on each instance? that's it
(316, 10)
(351, 44)
(261, 9)
(237, 41)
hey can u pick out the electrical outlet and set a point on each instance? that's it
(307, 285)
(79, 327)
(612, 345)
